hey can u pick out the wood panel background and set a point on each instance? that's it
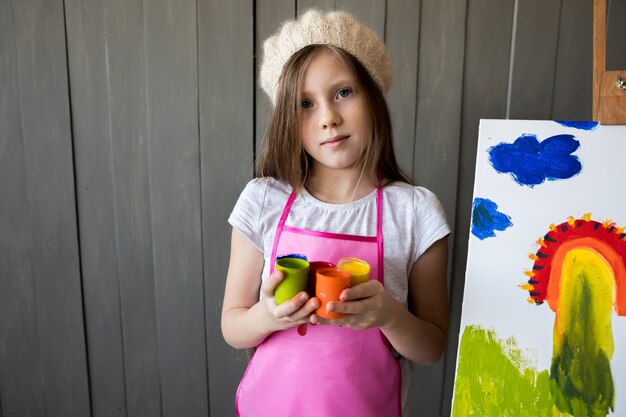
(128, 129)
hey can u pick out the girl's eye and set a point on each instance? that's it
(306, 104)
(344, 92)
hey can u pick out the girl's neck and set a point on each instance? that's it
(339, 188)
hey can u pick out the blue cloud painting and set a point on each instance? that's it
(486, 218)
(531, 162)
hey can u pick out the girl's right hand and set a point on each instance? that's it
(291, 312)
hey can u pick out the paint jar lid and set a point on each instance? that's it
(321, 264)
(292, 255)
(353, 265)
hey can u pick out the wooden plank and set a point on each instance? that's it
(485, 79)
(130, 175)
(402, 43)
(615, 35)
(439, 99)
(600, 8)
(173, 157)
(107, 70)
(436, 148)
(226, 86)
(532, 75)
(21, 387)
(43, 352)
(304, 5)
(574, 67)
(371, 13)
(126, 104)
(269, 15)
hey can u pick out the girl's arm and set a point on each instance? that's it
(418, 334)
(246, 320)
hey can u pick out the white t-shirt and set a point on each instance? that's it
(413, 219)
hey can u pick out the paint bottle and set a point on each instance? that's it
(358, 269)
(330, 283)
(295, 268)
(315, 266)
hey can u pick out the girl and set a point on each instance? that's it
(328, 186)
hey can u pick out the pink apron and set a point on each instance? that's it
(330, 371)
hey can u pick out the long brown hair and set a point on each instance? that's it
(282, 154)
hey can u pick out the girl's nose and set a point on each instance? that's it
(330, 117)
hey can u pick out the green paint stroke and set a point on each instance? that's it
(494, 378)
(580, 375)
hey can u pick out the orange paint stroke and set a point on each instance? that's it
(603, 249)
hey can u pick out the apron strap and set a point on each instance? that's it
(279, 228)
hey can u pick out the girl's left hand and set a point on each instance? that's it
(365, 306)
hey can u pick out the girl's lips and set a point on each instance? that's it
(336, 141)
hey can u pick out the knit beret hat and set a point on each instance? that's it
(334, 28)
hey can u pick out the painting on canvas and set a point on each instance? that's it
(543, 331)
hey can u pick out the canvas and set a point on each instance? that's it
(543, 331)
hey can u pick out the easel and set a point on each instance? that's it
(609, 87)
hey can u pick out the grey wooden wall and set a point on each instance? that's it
(128, 129)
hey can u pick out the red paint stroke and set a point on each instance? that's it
(604, 238)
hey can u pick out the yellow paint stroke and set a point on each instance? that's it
(582, 382)
(598, 275)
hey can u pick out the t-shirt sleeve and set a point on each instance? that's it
(245, 215)
(431, 220)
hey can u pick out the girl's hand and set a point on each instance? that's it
(291, 312)
(365, 306)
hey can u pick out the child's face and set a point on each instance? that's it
(335, 123)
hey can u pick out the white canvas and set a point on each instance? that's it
(499, 264)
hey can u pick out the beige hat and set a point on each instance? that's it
(335, 28)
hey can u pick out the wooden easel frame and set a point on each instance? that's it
(609, 102)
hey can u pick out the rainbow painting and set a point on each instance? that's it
(543, 327)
